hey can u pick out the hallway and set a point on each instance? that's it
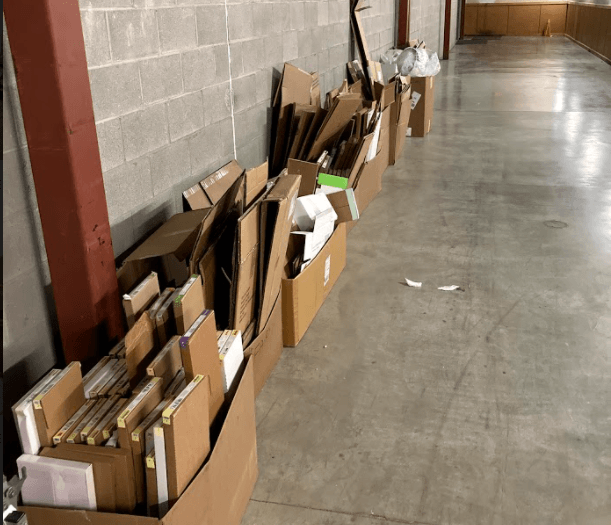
(488, 406)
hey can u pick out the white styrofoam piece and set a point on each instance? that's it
(308, 208)
(52, 482)
(231, 356)
(23, 412)
(161, 468)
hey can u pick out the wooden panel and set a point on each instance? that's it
(471, 19)
(523, 20)
(557, 16)
(570, 20)
(606, 48)
(492, 19)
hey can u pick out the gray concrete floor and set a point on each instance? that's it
(489, 406)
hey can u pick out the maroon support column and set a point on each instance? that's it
(49, 54)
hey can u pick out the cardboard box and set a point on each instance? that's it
(120, 489)
(199, 351)
(73, 422)
(210, 190)
(185, 427)
(57, 402)
(308, 172)
(266, 349)
(189, 303)
(170, 245)
(303, 296)
(368, 182)
(131, 416)
(140, 298)
(296, 86)
(277, 211)
(399, 119)
(220, 491)
(140, 348)
(421, 117)
(167, 363)
(165, 322)
(246, 258)
(255, 182)
(345, 205)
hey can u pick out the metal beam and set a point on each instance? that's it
(48, 50)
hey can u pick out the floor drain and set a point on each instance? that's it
(555, 224)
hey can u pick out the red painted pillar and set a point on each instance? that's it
(48, 49)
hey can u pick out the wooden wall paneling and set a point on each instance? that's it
(492, 19)
(579, 22)
(570, 20)
(556, 13)
(523, 20)
(471, 19)
(593, 26)
(606, 48)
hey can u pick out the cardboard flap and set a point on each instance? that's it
(219, 182)
(295, 86)
(228, 477)
(308, 172)
(196, 198)
(337, 119)
(176, 236)
(230, 205)
(255, 181)
(360, 158)
(276, 227)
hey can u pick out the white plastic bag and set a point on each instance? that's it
(427, 69)
(390, 57)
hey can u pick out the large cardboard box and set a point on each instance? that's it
(267, 348)
(218, 494)
(421, 117)
(303, 296)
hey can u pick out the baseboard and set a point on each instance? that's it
(595, 53)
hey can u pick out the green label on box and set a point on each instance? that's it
(324, 179)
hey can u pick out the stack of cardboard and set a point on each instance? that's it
(89, 460)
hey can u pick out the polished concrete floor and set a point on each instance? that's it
(488, 406)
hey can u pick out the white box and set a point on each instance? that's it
(231, 355)
(52, 482)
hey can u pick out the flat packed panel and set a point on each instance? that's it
(523, 20)
(556, 14)
(471, 19)
(492, 20)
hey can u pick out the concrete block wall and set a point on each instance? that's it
(160, 76)
(161, 71)
(426, 23)
(27, 304)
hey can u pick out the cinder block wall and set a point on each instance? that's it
(27, 303)
(426, 23)
(160, 77)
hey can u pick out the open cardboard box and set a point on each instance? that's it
(303, 296)
(267, 347)
(369, 181)
(218, 494)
